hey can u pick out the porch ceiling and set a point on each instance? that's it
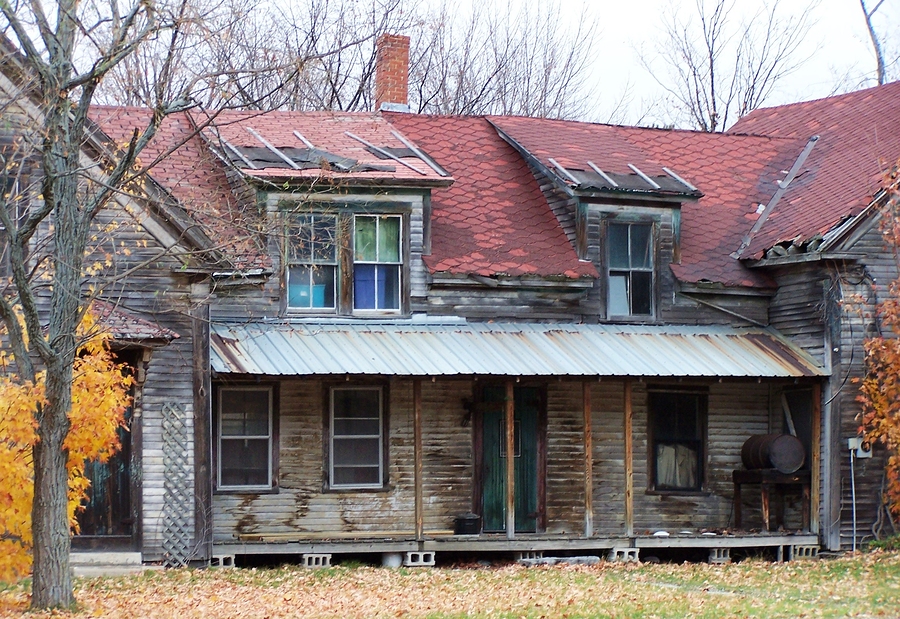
(412, 348)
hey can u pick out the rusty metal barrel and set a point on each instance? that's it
(782, 452)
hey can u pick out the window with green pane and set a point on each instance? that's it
(244, 433)
(630, 260)
(312, 261)
(377, 262)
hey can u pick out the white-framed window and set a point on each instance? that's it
(341, 262)
(244, 437)
(312, 262)
(630, 269)
(356, 444)
(377, 262)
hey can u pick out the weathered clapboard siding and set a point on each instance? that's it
(448, 462)
(565, 458)
(861, 290)
(516, 299)
(798, 310)
(736, 411)
(301, 504)
(607, 417)
(158, 294)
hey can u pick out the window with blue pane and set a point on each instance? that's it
(312, 262)
(630, 269)
(377, 262)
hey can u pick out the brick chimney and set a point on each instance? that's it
(392, 73)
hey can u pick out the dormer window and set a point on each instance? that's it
(630, 260)
(377, 262)
(341, 262)
(312, 262)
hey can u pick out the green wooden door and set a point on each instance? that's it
(527, 405)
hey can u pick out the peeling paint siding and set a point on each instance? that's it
(857, 323)
(156, 293)
(736, 411)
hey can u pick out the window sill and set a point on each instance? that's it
(687, 493)
(247, 490)
(362, 490)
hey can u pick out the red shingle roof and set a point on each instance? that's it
(192, 174)
(126, 326)
(735, 174)
(494, 219)
(326, 131)
(859, 138)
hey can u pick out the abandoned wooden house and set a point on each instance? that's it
(392, 333)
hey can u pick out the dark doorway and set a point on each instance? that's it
(528, 408)
(109, 518)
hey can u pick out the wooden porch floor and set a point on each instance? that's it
(406, 542)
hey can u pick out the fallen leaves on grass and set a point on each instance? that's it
(860, 584)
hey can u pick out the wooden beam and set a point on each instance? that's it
(417, 440)
(629, 462)
(203, 475)
(815, 461)
(588, 460)
(510, 460)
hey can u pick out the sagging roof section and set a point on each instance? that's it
(480, 349)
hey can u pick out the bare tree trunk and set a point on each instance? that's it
(876, 42)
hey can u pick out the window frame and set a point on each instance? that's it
(378, 262)
(383, 428)
(610, 270)
(272, 437)
(702, 396)
(345, 216)
(312, 262)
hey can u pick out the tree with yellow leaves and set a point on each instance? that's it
(100, 397)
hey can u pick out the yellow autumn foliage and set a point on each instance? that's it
(100, 397)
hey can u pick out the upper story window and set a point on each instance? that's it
(343, 263)
(377, 262)
(312, 262)
(630, 269)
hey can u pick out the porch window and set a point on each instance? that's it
(677, 423)
(244, 433)
(630, 259)
(312, 262)
(376, 262)
(356, 449)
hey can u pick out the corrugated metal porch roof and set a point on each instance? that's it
(463, 349)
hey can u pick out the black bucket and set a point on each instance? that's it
(467, 524)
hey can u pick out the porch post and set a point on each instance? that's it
(417, 450)
(203, 476)
(629, 463)
(588, 461)
(510, 461)
(815, 460)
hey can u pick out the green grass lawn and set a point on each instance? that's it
(866, 585)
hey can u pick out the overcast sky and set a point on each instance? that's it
(837, 44)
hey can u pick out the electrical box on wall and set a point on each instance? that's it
(862, 447)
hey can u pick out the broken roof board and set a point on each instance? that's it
(859, 139)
